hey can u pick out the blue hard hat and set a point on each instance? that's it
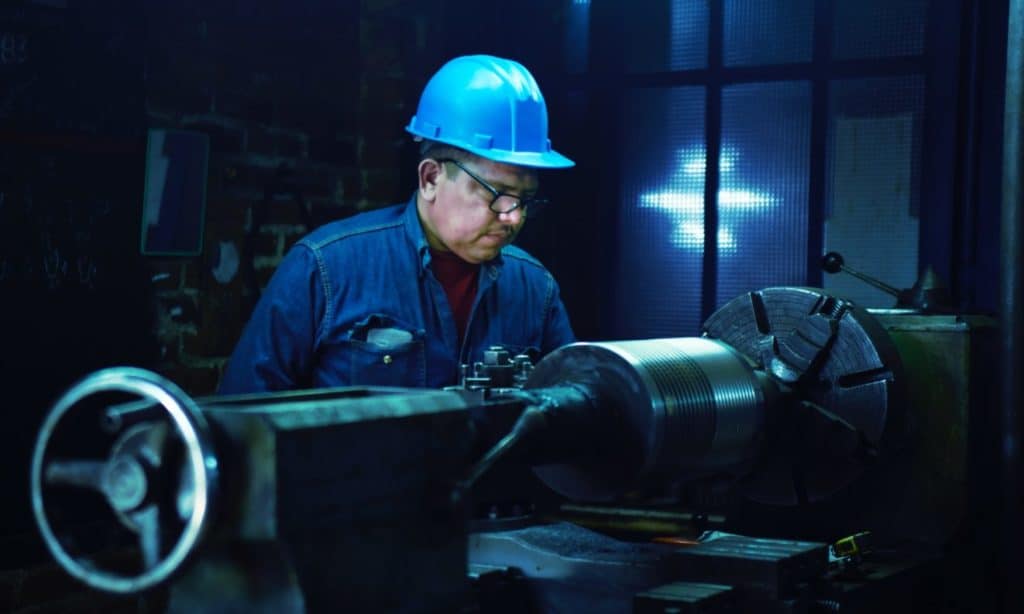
(488, 106)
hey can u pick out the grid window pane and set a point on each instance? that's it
(665, 35)
(577, 35)
(759, 32)
(878, 28)
(661, 216)
(762, 199)
(872, 204)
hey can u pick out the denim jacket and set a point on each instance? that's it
(355, 303)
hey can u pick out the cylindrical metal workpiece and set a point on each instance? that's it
(672, 408)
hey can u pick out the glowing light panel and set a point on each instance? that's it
(684, 201)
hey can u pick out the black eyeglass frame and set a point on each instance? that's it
(524, 203)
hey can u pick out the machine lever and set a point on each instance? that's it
(833, 262)
(929, 292)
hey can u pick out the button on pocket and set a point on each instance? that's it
(382, 351)
(403, 366)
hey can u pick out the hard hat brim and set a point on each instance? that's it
(532, 159)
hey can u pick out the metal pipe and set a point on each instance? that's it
(1011, 306)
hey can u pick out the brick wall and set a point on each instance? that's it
(305, 106)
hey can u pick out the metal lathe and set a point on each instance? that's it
(802, 455)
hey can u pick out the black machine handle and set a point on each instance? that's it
(833, 262)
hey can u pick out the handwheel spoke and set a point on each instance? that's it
(152, 449)
(82, 473)
(148, 522)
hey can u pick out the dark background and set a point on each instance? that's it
(304, 103)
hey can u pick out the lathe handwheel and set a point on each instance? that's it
(199, 478)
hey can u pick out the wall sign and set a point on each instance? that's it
(174, 201)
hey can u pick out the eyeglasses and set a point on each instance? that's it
(500, 201)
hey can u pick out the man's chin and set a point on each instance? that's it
(480, 256)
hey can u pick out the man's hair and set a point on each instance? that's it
(437, 151)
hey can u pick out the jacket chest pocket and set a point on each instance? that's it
(381, 351)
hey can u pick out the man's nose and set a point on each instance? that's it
(513, 217)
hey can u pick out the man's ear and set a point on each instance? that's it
(429, 174)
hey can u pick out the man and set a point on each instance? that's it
(402, 296)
